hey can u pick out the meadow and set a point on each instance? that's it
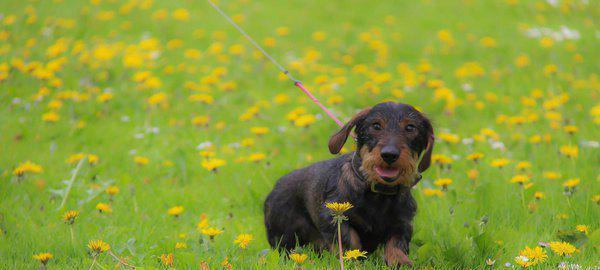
(156, 128)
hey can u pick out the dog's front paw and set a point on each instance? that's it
(396, 257)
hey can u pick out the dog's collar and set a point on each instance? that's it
(377, 187)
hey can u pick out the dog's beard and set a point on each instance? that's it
(406, 166)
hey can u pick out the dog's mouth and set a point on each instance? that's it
(388, 174)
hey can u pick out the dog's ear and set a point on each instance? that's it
(336, 142)
(426, 158)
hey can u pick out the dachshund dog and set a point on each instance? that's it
(394, 144)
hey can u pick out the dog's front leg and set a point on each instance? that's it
(396, 252)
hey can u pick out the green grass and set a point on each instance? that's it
(450, 232)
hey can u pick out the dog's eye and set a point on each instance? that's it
(377, 126)
(410, 128)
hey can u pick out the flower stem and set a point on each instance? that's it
(72, 235)
(340, 243)
(93, 262)
(523, 198)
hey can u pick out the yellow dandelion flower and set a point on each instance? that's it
(43, 257)
(354, 254)
(433, 192)
(447, 137)
(522, 61)
(522, 261)
(523, 165)
(569, 151)
(571, 183)
(571, 129)
(443, 182)
(27, 167)
(256, 157)
(551, 175)
(583, 228)
(563, 248)
(499, 162)
(211, 232)
(475, 156)
(139, 160)
(243, 240)
(70, 216)
(441, 159)
(98, 246)
(259, 130)
(181, 14)
(534, 255)
(175, 211)
(180, 245)
(167, 259)
(339, 208)
(305, 120)
(112, 190)
(538, 195)
(93, 159)
(213, 164)
(298, 258)
(520, 179)
(546, 42)
(103, 208)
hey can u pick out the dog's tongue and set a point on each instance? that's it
(387, 172)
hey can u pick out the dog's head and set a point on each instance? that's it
(391, 138)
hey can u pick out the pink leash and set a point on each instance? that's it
(316, 101)
(285, 71)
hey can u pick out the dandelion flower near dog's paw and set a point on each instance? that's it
(98, 246)
(354, 254)
(298, 258)
(339, 208)
(43, 257)
(243, 240)
(563, 248)
(70, 216)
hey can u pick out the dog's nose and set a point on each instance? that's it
(389, 154)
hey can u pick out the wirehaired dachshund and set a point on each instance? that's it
(394, 144)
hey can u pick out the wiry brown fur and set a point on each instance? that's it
(389, 135)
